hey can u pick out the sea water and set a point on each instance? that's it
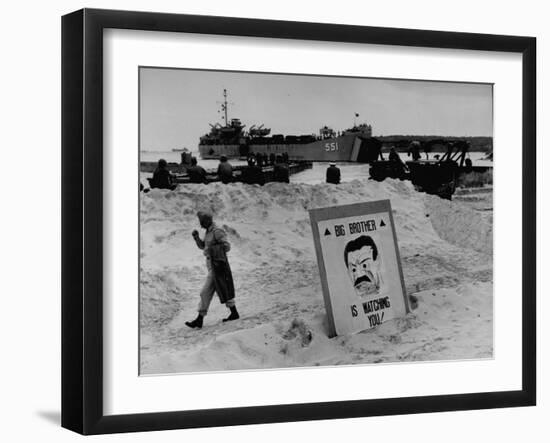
(349, 171)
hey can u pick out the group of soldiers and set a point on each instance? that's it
(253, 173)
(262, 159)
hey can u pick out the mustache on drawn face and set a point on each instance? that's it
(362, 279)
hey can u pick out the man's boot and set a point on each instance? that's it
(233, 316)
(197, 323)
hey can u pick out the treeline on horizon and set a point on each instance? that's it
(401, 142)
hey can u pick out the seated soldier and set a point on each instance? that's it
(225, 170)
(259, 160)
(414, 150)
(280, 171)
(196, 173)
(394, 156)
(399, 168)
(162, 178)
(253, 174)
(333, 174)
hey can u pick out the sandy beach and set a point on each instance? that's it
(446, 252)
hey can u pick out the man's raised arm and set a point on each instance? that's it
(198, 241)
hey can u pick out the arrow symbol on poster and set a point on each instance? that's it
(327, 232)
(382, 223)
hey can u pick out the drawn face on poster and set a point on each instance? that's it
(363, 263)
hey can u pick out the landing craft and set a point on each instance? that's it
(355, 144)
(439, 176)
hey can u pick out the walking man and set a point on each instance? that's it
(219, 278)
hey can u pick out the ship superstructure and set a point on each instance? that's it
(232, 140)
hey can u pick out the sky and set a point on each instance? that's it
(177, 105)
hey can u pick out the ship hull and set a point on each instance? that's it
(349, 147)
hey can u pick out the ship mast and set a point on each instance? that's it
(224, 106)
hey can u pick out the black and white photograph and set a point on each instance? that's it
(231, 166)
(275, 222)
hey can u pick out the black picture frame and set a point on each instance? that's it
(82, 218)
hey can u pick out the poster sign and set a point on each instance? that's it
(359, 264)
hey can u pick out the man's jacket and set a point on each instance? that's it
(215, 247)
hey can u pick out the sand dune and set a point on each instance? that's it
(446, 250)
